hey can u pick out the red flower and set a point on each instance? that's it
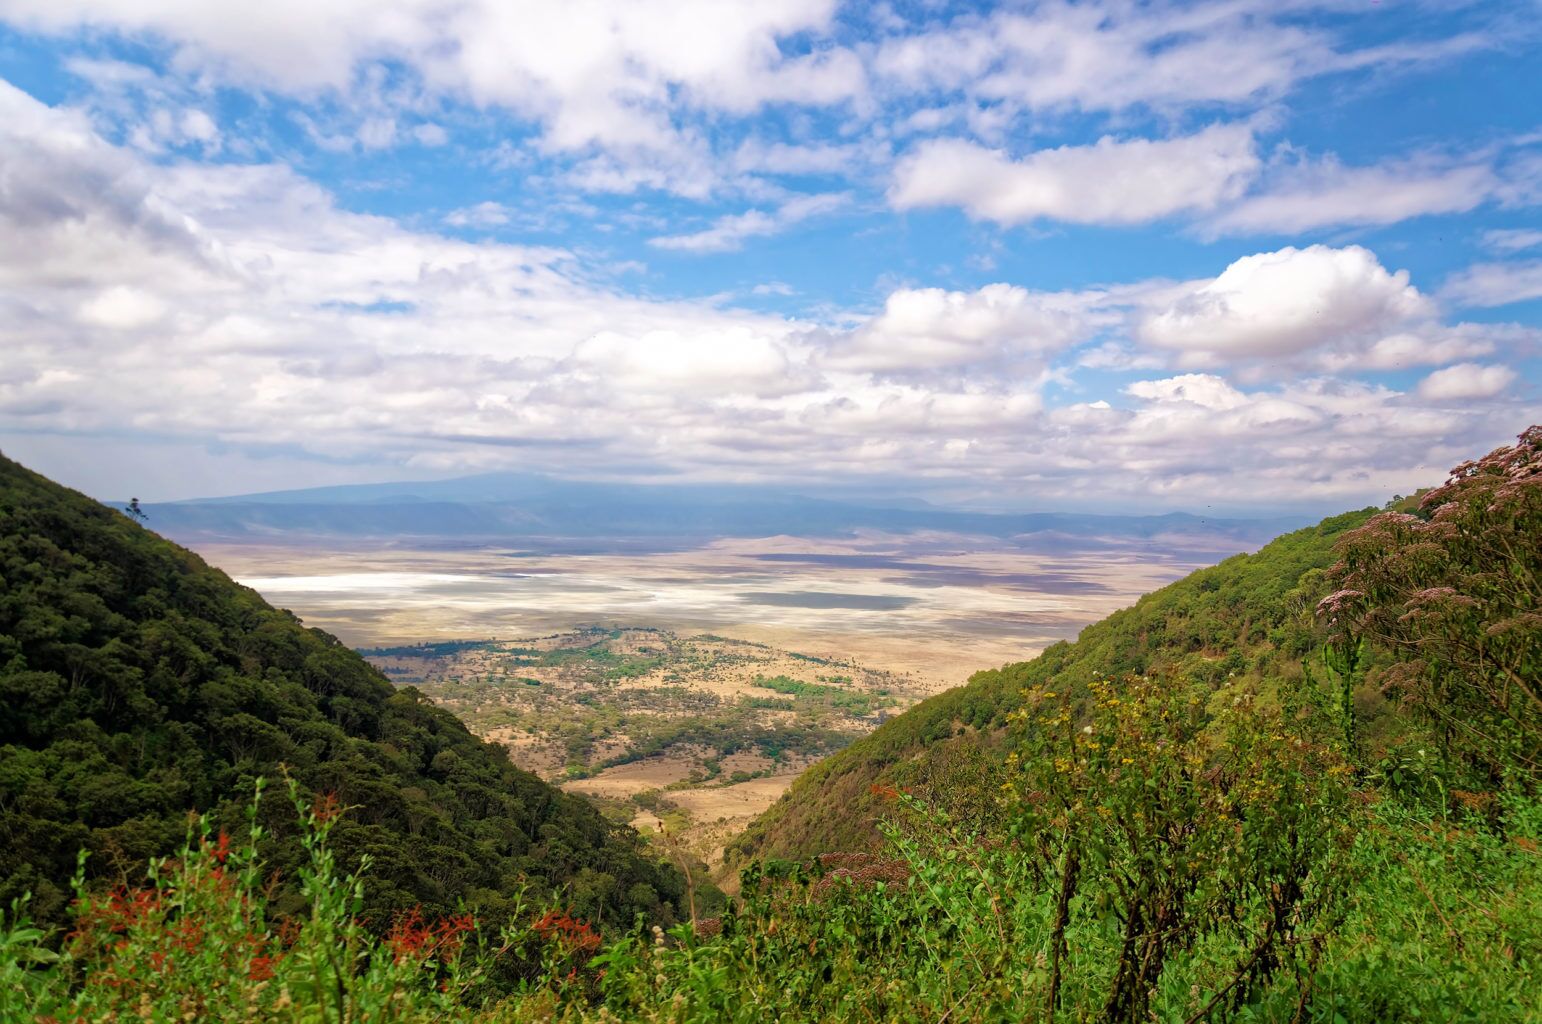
(326, 807)
(572, 934)
(413, 938)
(261, 968)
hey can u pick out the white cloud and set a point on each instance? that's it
(1512, 239)
(1494, 284)
(729, 360)
(430, 135)
(1429, 344)
(1466, 381)
(122, 308)
(634, 91)
(238, 305)
(759, 156)
(1001, 327)
(1313, 440)
(1110, 182)
(1109, 56)
(377, 133)
(1202, 389)
(601, 75)
(730, 232)
(1114, 355)
(486, 214)
(1306, 195)
(1283, 304)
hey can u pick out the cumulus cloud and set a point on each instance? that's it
(1313, 440)
(632, 94)
(1202, 389)
(726, 361)
(122, 308)
(1110, 182)
(1284, 304)
(1466, 381)
(239, 305)
(999, 328)
(600, 75)
(280, 321)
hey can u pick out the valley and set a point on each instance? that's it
(1243, 736)
(683, 690)
(690, 736)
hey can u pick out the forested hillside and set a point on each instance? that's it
(1243, 624)
(137, 684)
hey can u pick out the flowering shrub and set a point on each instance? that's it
(195, 943)
(1455, 595)
(1212, 857)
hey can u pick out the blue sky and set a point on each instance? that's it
(1255, 255)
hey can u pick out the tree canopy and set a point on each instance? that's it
(137, 685)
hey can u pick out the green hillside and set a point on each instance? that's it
(138, 684)
(1243, 622)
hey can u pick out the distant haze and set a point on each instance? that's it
(551, 515)
(932, 591)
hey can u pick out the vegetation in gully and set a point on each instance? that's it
(600, 697)
(1300, 786)
(689, 714)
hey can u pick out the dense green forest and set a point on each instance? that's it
(1300, 786)
(137, 684)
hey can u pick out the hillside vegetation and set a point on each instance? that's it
(1301, 793)
(697, 732)
(1244, 624)
(138, 684)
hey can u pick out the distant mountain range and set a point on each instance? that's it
(562, 514)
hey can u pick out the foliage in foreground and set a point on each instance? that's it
(1455, 592)
(1159, 848)
(1159, 863)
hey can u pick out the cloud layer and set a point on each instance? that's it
(237, 304)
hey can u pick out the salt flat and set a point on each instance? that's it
(937, 606)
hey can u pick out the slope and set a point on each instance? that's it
(1246, 620)
(137, 684)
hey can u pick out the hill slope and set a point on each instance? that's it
(137, 683)
(1247, 619)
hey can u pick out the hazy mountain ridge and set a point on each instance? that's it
(504, 507)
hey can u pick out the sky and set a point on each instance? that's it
(1249, 254)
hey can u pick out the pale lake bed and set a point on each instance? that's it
(938, 606)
